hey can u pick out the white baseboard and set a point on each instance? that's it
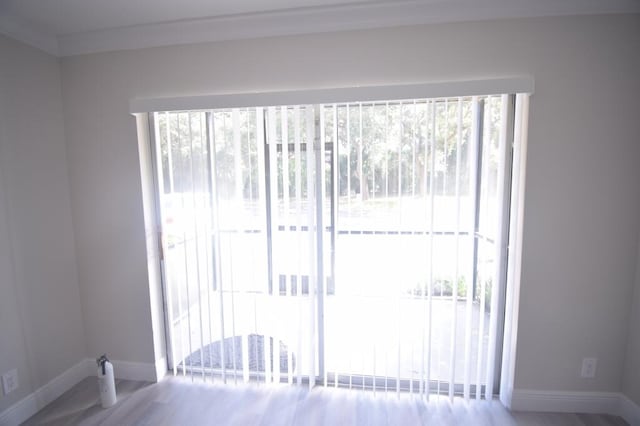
(565, 402)
(127, 370)
(37, 400)
(140, 371)
(629, 411)
(614, 403)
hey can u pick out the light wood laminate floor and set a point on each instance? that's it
(175, 401)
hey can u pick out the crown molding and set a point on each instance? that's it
(18, 30)
(355, 16)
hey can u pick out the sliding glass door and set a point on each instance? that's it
(354, 245)
(417, 197)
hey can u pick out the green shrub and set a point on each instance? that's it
(440, 287)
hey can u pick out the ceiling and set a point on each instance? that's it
(69, 27)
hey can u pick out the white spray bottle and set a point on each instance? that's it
(106, 382)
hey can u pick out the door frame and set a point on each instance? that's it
(320, 150)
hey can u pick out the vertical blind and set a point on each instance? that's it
(224, 234)
(360, 245)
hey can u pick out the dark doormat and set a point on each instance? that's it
(211, 355)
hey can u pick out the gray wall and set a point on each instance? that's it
(41, 332)
(582, 203)
(631, 379)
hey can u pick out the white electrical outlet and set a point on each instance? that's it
(589, 368)
(10, 381)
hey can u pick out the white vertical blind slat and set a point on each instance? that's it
(165, 249)
(335, 151)
(237, 230)
(275, 234)
(299, 236)
(215, 225)
(403, 281)
(374, 342)
(286, 185)
(387, 153)
(499, 243)
(186, 263)
(362, 198)
(196, 239)
(472, 155)
(321, 171)
(246, 305)
(516, 212)
(311, 211)
(415, 131)
(423, 289)
(352, 343)
(205, 132)
(431, 247)
(263, 291)
(180, 321)
(483, 245)
(445, 137)
(454, 308)
(190, 241)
